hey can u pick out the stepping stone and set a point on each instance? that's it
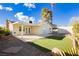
(12, 49)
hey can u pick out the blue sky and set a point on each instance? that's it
(62, 12)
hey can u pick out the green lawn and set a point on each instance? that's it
(49, 43)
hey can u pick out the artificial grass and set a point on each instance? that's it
(51, 42)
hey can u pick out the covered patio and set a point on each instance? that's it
(23, 29)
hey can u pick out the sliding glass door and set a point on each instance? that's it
(28, 30)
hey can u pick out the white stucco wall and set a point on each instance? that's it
(45, 28)
(10, 26)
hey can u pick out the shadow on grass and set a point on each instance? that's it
(67, 54)
(56, 37)
(39, 47)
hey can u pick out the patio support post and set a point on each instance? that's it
(22, 31)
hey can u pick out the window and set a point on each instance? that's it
(29, 30)
(26, 30)
(49, 28)
(14, 32)
(23, 28)
(20, 28)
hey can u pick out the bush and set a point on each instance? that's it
(6, 32)
(1, 31)
(72, 52)
(75, 29)
(0, 35)
(75, 39)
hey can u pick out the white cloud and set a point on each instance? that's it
(20, 16)
(8, 8)
(2, 25)
(30, 5)
(39, 21)
(5, 8)
(32, 18)
(74, 19)
(16, 3)
(1, 7)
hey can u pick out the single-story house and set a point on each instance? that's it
(19, 28)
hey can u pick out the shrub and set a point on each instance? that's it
(1, 31)
(0, 35)
(72, 52)
(75, 40)
(6, 32)
(75, 29)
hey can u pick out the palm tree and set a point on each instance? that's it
(46, 15)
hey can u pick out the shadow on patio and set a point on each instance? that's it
(28, 49)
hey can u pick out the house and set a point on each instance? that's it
(43, 28)
(18, 28)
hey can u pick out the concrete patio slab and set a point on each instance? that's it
(28, 38)
(16, 47)
(12, 49)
